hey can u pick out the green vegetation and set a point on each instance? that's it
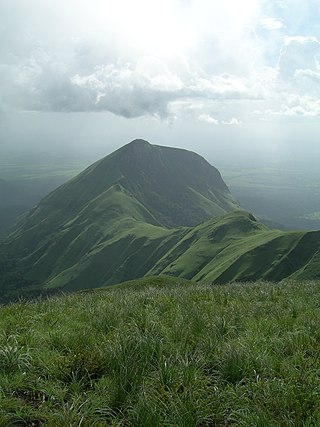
(148, 210)
(234, 247)
(114, 221)
(164, 352)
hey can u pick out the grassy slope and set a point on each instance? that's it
(237, 247)
(160, 178)
(229, 248)
(225, 249)
(112, 223)
(164, 352)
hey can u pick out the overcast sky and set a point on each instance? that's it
(205, 74)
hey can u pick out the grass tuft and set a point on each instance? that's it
(176, 355)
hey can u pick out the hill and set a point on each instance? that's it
(163, 352)
(238, 247)
(175, 187)
(148, 210)
(115, 220)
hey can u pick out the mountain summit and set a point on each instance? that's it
(173, 187)
(124, 204)
(148, 210)
(178, 187)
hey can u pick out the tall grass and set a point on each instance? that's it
(177, 355)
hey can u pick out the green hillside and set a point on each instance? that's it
(116, 219)
(176, 186)
(237, 247)
(163, 352)
(147, 210)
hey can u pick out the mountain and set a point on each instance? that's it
(236, 247)
(128, 206)
(148, 210)
(174, 187)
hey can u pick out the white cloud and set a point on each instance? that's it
(208, 119)
(234, 121)
(293, 106)
(298, 53)
(101, 59)
(314, 75)
(271, 23)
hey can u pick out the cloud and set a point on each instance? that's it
(271, 24)
(208, 119)
(233, 121)
(100, 59)
(128, 91)
(298, 53)
(292, 106)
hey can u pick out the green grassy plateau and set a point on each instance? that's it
(164, 352)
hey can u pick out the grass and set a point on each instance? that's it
(141, 212)
(158, 352)
(110, 248)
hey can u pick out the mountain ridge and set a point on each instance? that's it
(151, 210)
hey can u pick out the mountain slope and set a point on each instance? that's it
(176, 186)
(148, 210)
(116, 219)
(237, 247)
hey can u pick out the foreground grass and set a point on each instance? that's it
(164, 355)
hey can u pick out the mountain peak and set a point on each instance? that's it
(137, 148)
(137, 144)
(176, 186)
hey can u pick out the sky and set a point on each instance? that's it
(233, 78)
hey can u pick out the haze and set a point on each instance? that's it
(198, 73)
